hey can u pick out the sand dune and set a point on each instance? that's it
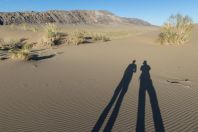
(69, 91)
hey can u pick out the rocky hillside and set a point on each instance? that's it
(67, 17)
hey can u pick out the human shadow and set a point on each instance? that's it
(36, 57)
(119, 94)
(146, 84)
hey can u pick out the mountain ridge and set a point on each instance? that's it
(88, 17)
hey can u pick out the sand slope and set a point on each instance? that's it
(69, 91)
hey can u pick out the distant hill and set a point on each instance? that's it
(87, 17)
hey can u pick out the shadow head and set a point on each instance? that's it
(134, 61)
(145, 62)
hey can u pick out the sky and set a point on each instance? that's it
(153, 11)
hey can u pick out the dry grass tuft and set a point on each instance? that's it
(16, 49)
(79, 37)
(100, 37)
(22, 53)
(178, 30)
(52, 35)
(25, 27)
(76, 37)
(51, 30)
(11, 44)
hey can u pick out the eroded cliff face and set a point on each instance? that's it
(67, 17)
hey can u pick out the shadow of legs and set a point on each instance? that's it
(120, 91)
(140, 126)
(157, 118)
(115, 112)
(105, 112)
(159, 126)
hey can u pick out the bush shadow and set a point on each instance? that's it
(39, 58)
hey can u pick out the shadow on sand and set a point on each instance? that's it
(39, 58)
(146, 84)
(119, 95)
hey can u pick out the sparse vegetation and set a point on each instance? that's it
(76, 37)
(1, 43)
(79, 37)
(20, 54)
(12, 26)
(11, 44)
(52, 35)
(177, 30)
(100, 37)
(17, 49)
(51, 30)
(25, 27)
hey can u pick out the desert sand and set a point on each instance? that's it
(68, 91)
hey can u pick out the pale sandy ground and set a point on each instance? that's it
(67, 93)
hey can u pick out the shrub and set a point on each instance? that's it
(79, 37)
(11, 44)
(76, 37)
(4, 45)
(178, 30)
(51, 30)
(19, 55)
(22, 53)
(52, 36)
(100, 37)
(17, 49)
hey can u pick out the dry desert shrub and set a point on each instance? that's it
(178, 30)
(79, 37)
(52, 35)
(5, 45)
(16, 49)
(51, 30)
(100, 37)
(27, 27)
(11, 44)
(21, 53)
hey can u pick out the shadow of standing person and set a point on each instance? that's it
(119, 93)
(146, 84)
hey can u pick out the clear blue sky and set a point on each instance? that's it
(154, 11)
